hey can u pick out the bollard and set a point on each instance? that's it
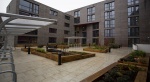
(59, 57)
(25, 46)
(28, 50)
(109, 50)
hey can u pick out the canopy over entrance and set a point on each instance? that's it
(75, 37)
(18, 24)
(13, 24)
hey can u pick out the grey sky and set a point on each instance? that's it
(62, 5)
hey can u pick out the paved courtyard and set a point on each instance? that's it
(32, 68)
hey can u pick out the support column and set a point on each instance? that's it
(80, 42)
(68, 41)
(11, 39)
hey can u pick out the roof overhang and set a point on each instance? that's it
(19, 24)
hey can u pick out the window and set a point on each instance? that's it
(77, 20)
(109, 32)
(67, 25)
(27, 14)
(106, 7)
(52, 30)
(109, 6)
(91, 14)
(84, 28)
(77, 14)
(35, 8)
(91, 10)
(95, 41)
(28, 6)
(95, 33)
(136, 1)
(109, 15)
(96, 26)
(65, 40)
(130, 11)
(67, 17)
(133, 31)
(90, 18)
(84, 41)
(52, 39)
(133, 10)
(110, 24)
(84, 34)
(27, 39)
(133, 21)
(66, 32)
(132, 2)
(132, 41)
(52, 12)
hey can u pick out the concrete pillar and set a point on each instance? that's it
(10, 40)
(80, 42)
(68, 41)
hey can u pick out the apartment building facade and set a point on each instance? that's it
(124, 22)
(55, 33)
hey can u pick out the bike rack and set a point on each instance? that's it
(13, 72)
(6, 53)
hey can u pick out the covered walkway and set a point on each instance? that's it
(12, 25)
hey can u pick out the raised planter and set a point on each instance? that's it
(65, 58)
(38, 53)
(76, 57)
(138, 63)
(116, 73)
(26, 49)
(95, 50)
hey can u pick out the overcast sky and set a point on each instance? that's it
(62, 5)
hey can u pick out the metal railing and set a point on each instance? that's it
(7, 54)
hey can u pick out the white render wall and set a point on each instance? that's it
(143, 47)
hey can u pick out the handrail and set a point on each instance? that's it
(14, 74)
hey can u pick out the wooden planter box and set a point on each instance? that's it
(26, 49)
(140, 77)
(136, 63)
(69, 57)
(75, 57)
(38, 53)
(95, 50)
(54, 56)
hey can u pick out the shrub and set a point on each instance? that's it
(138, 53)
(108, 78)
(40, 46)
(112, 45)
(130, 58)
(81, 53)
(124, 78)
(41, 50)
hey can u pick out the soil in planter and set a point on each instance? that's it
(120, 73)
(71, 53)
